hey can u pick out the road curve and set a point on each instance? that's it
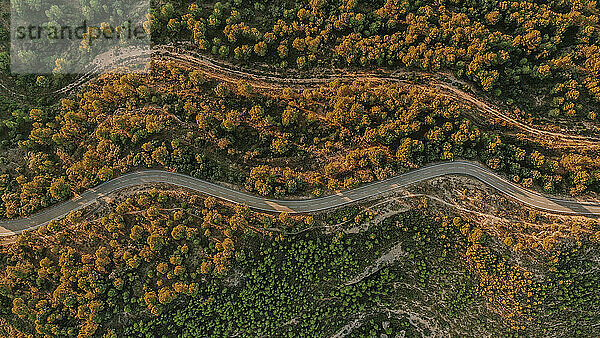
(516, 192)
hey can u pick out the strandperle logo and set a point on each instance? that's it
(81, 32)
(79, 37)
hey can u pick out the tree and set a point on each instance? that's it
(161, 155)
(279, 145)
(137, 233)
(221, 90)
(60, 189)
(282, 50)
(260, 48)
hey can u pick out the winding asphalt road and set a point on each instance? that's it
(516, 192)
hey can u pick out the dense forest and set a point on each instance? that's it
(158, 266)
(363, 101)
(541, 56)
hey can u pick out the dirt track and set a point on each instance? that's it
(228, 72)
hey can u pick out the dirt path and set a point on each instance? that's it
(265, 80)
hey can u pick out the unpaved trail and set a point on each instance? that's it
(267, 80)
